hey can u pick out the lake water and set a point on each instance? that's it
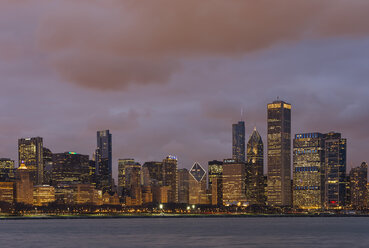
(187, 232)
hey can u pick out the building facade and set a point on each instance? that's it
(23, 185)
(279, 154)
(30, 152)
(70, 168)
(255, 191)
(103, 161)
(170, 177)
(7, 170)
(215, 181)
(234, 175)
(197, 185)
(183, 186)
(335, 171)
(309, 171)
(238, 141)
(358, 184)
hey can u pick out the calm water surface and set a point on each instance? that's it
(187, 232)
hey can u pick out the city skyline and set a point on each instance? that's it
(322, 74)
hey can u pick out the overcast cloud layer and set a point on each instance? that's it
(170, 77)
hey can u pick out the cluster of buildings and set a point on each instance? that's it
(307, 172)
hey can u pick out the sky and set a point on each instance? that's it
(170, 77)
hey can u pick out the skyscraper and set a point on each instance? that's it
(104, 160)
(215, 181)
(308, 171)
(124, 174)
(238, 141)
(70, 168)
(279, 154)
(335, 170)
(197, 185)
(358, 184)
(170, 177)
(183, 185)
(132, 185)
(255, 192)
(30, 152)
(233, 182)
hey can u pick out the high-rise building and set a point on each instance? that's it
(183, 186)
(238, 141)
(6, 170)
(23, 185)
(70, 168)
(255, 191)
(123, 164)
(358, 184)
(132, 185)
(233, 182)
(104, 160)
(279, 154)
(197, 185)
(170, 177)
(153, 173)
(30, 152)
(215, 181)
(308, 171)
(48, 165)
(335, 170)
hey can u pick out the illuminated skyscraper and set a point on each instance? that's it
(358, 184)
(279, 154)
(238, 141)
(233, 182)
(335, 170)
(255, 192)
(30, 151)
(308, 171)
(215, 177)
(104, 160)
(6, 170)
(170, 177)
(197, 185)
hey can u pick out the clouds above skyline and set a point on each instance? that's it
(172, 76)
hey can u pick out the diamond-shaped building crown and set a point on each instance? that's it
(197, 172)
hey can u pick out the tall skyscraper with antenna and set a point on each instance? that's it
(238, 141)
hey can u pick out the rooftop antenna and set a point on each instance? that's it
(241, 113)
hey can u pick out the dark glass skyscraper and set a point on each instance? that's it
(104, 160)
(279, 154)
(69, 168)
(335, 170)
(238, 141)
(255, 192)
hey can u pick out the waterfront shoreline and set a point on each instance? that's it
(158, 216)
